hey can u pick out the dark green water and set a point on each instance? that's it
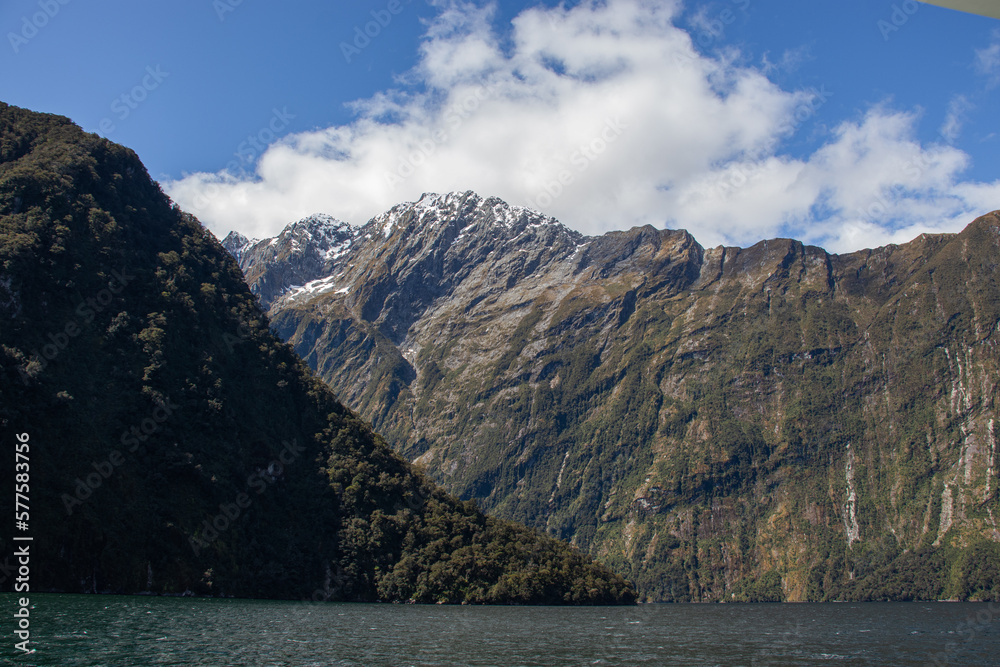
(111, 630)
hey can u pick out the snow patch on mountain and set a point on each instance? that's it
(237, 244)
(300, 261)
(314, 287)
(338, 250)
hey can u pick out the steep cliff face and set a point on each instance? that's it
(176, 445)
(773, 422)
(302, 252)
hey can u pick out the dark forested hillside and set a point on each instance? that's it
(177, 445)
(763, 423)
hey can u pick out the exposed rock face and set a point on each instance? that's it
(176, 445)
(304, 251)
(773, 422)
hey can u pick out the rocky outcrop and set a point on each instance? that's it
(704, 420)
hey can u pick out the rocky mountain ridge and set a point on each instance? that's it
(177, 446)
(772, 422)
(302, 251)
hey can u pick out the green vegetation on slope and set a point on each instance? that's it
(177, 445)
(780, 424)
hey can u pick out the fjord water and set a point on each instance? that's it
(112, 630)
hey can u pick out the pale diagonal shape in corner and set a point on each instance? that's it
(989, 8)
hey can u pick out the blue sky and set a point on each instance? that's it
(845, 123)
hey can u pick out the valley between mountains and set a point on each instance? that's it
(756, 424)
(177, 447)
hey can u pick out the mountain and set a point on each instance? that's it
(175, 445)
(764, 423)
(299, 254)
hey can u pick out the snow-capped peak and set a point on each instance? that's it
(320, 231)
(237, 244)
(319, 227)
(432, 210)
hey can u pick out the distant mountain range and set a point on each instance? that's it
(175, 446)
(763, 423)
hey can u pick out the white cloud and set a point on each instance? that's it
(871, 184)
(605, 116)
(459, 45)
(955, 117)
(988, 61)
